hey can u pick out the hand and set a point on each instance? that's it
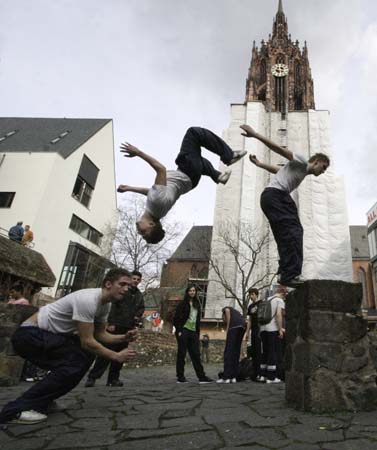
(180, 334)
(125, 354)
(281, 333)
(254, 159)
(123, 188)
(248, 131)
(111, 328)
(129, 150)
(131, 335)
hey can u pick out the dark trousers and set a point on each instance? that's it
(232, 352)
(188, 341)
(205, 354)
(281, 212)
(190, 160)
(61, 354)
(280, 356)
(101, 364)
(256, 350)
(269, 355)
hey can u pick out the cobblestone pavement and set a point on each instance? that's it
(153, 412)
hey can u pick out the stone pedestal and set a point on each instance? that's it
(329, 364)
(10, 364)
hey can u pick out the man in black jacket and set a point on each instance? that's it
(124, 316)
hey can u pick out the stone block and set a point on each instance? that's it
(10, 370)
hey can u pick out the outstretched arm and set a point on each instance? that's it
(138, 190)
(268, 167)
(132, 151)
(250, 132)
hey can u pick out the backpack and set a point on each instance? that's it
(264, 311)
(246, 370)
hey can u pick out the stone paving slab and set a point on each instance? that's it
(151, 411)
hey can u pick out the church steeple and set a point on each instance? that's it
(279, 72)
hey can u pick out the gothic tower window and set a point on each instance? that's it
(298, 87)
(262, 80)
(280, 59)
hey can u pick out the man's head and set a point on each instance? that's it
(19, 223)
(16, 291)
(281, 290)
(116, 283)
(318, 164)
(253, 294)
(150, 229)
(135, 278)
(27, 227)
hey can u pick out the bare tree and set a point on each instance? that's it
(243, 247)
(126, 248)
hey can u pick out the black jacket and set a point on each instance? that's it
(182, 313)
(123, 312)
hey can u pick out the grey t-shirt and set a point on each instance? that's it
(80, 306)
(290, 175)
(160, 199)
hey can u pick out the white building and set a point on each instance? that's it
(280, 105)
(57, 175)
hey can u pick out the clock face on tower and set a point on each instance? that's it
(279, 70)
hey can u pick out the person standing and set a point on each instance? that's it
(205, 348)
(123, 317)
(253, 329)
(64, 337)
(16, 232)
(235, 330)
(187, 328)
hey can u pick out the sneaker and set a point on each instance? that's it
(115, 383)
(30, 379)
(30, 417)
(224, 177)
(220, 380)
(295, 282)
(261, 379)
(90, 382)
(237, 155)
(233, 380)
(205, 380)
(181, 380)
(275, 380)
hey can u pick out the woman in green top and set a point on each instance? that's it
(187, 329)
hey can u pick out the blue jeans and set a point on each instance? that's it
(190, 160)
(60, 354)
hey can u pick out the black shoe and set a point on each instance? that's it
(90, 382)
(295, 282)
(205, 380)
(181, 380)
(115, 383)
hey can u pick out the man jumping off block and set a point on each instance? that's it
(170, 185)
(280, 209)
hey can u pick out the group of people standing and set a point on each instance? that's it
(20, 234)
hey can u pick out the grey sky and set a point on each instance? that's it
(159, 66)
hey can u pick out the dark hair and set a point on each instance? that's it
(18, 287)
(136, 273)
(253, 291)
(195, 300)
(114, 275)
(157, 233)
(320, 157)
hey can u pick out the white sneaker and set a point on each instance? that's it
(261, 379)
(237, 155)
(233, 380)
(224, 177)
(30, 417)
(275, 380)
(220, 380)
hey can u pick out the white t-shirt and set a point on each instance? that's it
(79, 306)
(161, 199)
(290, 175)
(273, 325)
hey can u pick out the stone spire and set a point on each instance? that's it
(280, 9)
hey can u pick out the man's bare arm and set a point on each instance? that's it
(89, 343)
(138, 190)
(279, 320)
(131, 151)
(250, 132)
(268, 167)
(101, 334)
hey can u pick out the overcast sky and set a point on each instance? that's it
(158, 66)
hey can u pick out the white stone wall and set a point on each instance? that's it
(43, 184)
(321, 200)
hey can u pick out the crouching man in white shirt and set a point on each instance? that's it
(64, 337)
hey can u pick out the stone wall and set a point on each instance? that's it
(329, 359)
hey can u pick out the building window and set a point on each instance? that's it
(6, 199)
(85, 230)
(361, 278)
(85, 181)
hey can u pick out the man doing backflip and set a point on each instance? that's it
(170, 185)
(280, 209)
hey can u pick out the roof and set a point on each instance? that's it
(196, 245)
(24, 263)
(359, 242)
(61, 136)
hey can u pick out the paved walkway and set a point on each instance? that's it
(152, 412)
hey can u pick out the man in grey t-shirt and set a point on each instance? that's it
(64, 337)
(170, 185)
(281, 210)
